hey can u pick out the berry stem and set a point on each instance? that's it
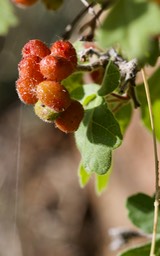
(157, 187)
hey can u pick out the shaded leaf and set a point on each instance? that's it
(142, 250)
(123, 116)
(111, 79)
(7, 17)
(130, 25)
(153, 53)
(97, 136)
(141, 212)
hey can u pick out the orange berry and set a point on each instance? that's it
(54, 95)
(29, 68)
(66, 50)
(35, 47)
(26, 89)
(55, 68)
(69, 120)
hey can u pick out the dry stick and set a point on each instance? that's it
(156, 203)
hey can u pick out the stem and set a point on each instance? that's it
(157, 194)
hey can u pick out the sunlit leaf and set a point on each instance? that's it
(83, 176)
(102, 182)
(97, 136)
(130, 24)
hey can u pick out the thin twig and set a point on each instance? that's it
(92, 23)
(156, 203)
(70, 27)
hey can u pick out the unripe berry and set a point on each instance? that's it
(69, 120)
(29, 68)
(66, 50)
(24, 2)
(55, 68)
(35, 47)
(26, 89)
(45, 113)
(54, 95)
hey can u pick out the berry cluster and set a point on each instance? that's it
(41, 71)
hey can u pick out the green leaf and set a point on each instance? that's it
(73, 84)
(155, 98)
(90, 93)
(142, 250)
(98, 134)
(53, 4)
(85, 93)
(123, 116)
(7, 17)
(111, 79)
(141, 212)
(130, 25)
(83, 176)
(153, 53)
(102, 182)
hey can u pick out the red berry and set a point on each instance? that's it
(26, 89)
(56, 68)
(29, 68)
(66, 50)
(69, 120)
(24, 2)
(53, 95)
(35, 47)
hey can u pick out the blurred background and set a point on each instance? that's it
(43, 210)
